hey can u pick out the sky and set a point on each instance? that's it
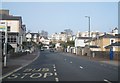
(57, 16)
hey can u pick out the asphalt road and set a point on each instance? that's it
(56, 66)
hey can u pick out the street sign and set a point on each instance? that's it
(2, 26)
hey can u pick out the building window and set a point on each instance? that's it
(12, 39)
(8, 28)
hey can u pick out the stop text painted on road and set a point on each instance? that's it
(32, 73)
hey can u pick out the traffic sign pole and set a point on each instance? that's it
(4, 27)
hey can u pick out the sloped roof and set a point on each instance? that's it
(94, 46)
(83, 37)
(10, 17)
(107, 36)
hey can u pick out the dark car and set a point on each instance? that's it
(52, 50)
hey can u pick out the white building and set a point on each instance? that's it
(56, 37)
(16, 31)
(80, 41)
(44, 41)
(32, 37)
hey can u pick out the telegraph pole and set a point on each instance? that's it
(88, 31)
(88, 24)
(5, 46)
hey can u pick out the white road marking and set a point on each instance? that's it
(55, 74)
(71, 62)
(81, 67)
(56, 79)
(54, 69)
(19, 68)
(107, 81)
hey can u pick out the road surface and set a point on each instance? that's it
(57, 67)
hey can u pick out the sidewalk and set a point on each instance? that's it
(16, 63)
(101, 60)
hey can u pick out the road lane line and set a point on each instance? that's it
(71, 62)
(107, 81)
(56, 79)
(55, 74)
(81, 67)
(54, 69)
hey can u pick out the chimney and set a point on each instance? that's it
(6, 12)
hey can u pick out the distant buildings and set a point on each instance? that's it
(57, 37)
(15, 29)
(38, 39)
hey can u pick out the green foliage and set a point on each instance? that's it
(70, 43)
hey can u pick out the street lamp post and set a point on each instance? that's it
(88, 24)
(5, 46)
(88, 31)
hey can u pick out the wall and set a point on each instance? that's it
(14, 25)
(105, 54)
(79, 42)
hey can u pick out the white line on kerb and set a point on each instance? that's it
(81, 67)
(107, 81)
(56, 79)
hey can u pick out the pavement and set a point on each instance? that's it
(102, 60)
(16, 63)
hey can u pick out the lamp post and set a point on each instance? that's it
(88, 26)
(88, 31)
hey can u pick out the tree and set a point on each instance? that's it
(70, 43)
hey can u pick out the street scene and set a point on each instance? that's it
(59, 42)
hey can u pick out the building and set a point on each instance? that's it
(57, 37)
(16, 31)
(32, 37)
(86, 34)
(44, 40)
(80, 41)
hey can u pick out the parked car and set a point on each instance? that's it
(51, 50)
(28, 51)
(42, 49)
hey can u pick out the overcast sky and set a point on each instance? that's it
(57, 16)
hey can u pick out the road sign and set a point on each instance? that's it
(2, 26)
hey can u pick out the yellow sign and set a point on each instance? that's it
(2, 27)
